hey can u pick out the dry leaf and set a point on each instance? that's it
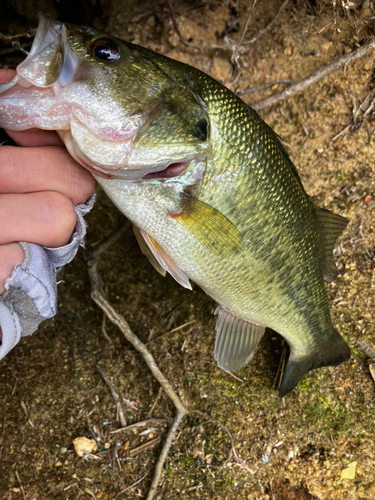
(349, 472)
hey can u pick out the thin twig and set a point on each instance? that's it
(143, 423)
(155, 402)
(269, 25)
(232, 375)
(366, 109)
(21, 487)
(27, 34)
(114, 456)
(123, 325)
(172, 331)
(115, 396)
(235, 58)
(366, 349)
(144, 447)
(134, 484)
(104, 330)
(280, 370)
(103, 246)
(259, 88)
(318, 75)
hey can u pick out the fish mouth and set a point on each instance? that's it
(171, 171)
(49, 88)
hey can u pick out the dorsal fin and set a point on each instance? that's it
(331, 226)
(158, 257)
(236, 340)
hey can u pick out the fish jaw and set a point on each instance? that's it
(60, 86)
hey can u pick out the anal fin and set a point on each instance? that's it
(159, 258)
(236, 340)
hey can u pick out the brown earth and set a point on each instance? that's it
(294, 448)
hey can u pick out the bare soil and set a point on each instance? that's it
(294, 448)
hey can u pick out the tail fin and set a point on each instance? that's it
(331, 353)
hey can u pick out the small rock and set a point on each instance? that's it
(84, 446)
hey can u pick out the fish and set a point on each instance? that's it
(211, 191)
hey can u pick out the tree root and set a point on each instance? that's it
(300, 86)
(123, 325)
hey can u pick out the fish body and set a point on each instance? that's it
(212, 194)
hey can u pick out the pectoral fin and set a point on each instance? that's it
(159, 258)
(236, 340)
(210, 227)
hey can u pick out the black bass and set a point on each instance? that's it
(212, 194)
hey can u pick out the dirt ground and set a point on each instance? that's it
(296, 448)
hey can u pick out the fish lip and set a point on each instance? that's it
(43, 33)
(47, 32)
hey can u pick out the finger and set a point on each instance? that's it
(6, 75)
(24, 170)
(46, 218)
(10, 255)
(35, 138)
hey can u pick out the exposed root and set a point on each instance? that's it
(123, 325)
(269, 25)
(302, 85)
(360, 114)
(259, 88)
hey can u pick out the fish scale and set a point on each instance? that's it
(212, 193)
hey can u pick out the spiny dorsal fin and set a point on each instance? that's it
(331, 226)
(158, 257)
(236, 340)
(209, 226)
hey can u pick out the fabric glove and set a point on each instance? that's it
(30, 294)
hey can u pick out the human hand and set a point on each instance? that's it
(40, 184)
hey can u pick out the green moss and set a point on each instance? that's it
(186, 461)
(329, 414)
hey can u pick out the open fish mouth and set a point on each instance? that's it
(60, 86)
(173, 170)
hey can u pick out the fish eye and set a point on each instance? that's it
(105, 50)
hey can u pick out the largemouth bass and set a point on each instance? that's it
(212, 194)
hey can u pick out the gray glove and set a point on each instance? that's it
(31, 292)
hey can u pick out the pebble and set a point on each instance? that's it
(84, 446)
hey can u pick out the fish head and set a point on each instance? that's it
(119, 113)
